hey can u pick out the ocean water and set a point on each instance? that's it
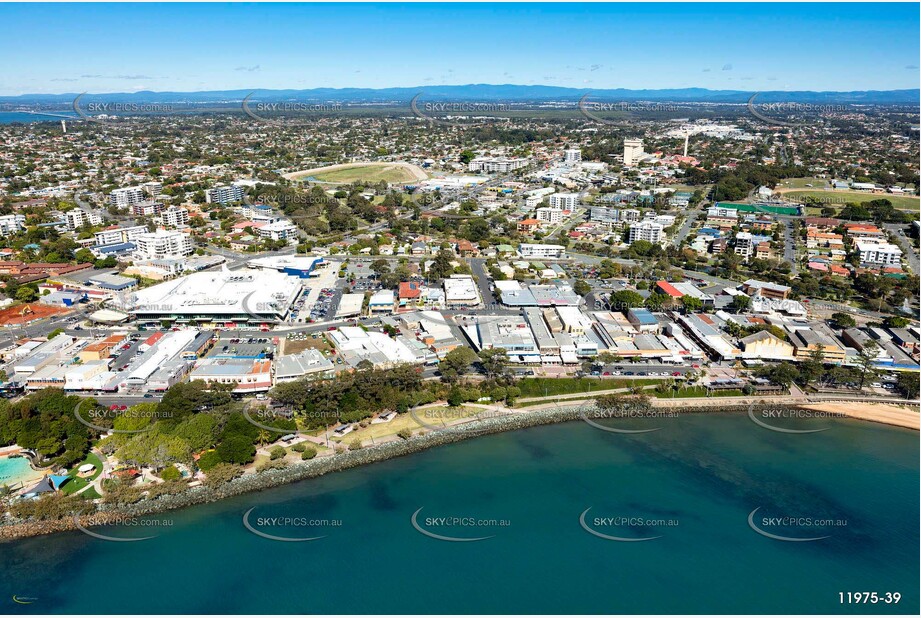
(693, 485)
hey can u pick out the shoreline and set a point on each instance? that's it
(551, 414)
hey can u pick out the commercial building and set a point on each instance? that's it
(817, 336)
(765, 346)
(764, 288)
(309, 364)
(247, 375)
(461, 290)
(278, 230)
(355, 345)
(226, 297)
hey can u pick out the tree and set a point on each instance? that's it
(456, 363)
(866, 362)
(236, 450)
(691, 303)
(494, 362)
(170, 473)
(810, 370)
(740, 303)
(222, 473)
(277, 452)
(581, 287)
(656, 301)
(907, 383)
(781, 374)
(467, 156)
(843, 320)
(625, 299)
(895, 321)
(25, 294)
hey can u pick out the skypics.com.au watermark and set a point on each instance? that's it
(451, 527)
(788, 113)
(625, 528)
(287, 528)
(93, 414)
(280, 113)
(794, 528)
(115, 522)
(788, 419)
(457, 113)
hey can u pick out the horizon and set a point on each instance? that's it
(582, 46)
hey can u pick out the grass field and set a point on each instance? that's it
(362, 172)
(547, 387)
(293, 346)
(76, 483)
(837, 199)
(801, 183)
(697, 391)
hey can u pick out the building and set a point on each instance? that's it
(12, 224)
(77, 218)
(764, 288)
(633, 151)
(541, 251)
(571, 156)
(878, 254)
(174, 216)
(226, 298)
(807, 340)
(550, 215)
(765, 346)
(278, 230)
(247, 375)
(309, 364)
(529, 226)
(642, 320)
(461, 290)
(118, 235)
(647, 230)
(224, 194)
(496, 164)
(123, 198)
(162, 244)
(564, 201)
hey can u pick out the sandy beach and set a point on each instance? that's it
(898, 416)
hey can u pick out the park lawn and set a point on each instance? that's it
(90, 494)
(76, 483)
(837, 199)
(800, 183)
(547, 387)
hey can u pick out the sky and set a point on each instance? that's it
(71, 48)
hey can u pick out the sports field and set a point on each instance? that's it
(840, 198)
(346, 173)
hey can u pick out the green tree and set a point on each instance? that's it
(494, 362)
(691, 303)
(843, 320)
(236, 450)
(581, 287)
(866, 362)
(456, 363)
(740, 303)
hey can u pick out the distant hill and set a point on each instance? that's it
(482, 92)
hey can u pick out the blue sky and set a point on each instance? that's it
(186, 47)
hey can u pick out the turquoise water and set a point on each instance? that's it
(14, 470)
(705, 473)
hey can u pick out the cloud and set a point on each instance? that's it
(772, 79)
(595, 67)
(746, 79)
(64, 79)
(706, 70)
(727, 67)
(116, 77)
(253, 69)
(911, 67)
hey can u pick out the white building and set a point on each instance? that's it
(122, 198)
(646, 230)
(174, 216)
(633, 151)
(11, 224)
(565, 201)
(745, 244)
(541, 251)
(279, 230)
(162, 244)
(872, 253)
(461, 290)
(572, 156)
(119, 235)
(77, 218)
(224, 194)
(550, 214)
(496, 164)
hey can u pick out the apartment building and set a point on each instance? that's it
(646, 230)
(224, 194)
(147, 208)
(162, 244)
(550, 215)
(878, 253)
(633, 151)
(496, 164)
(174, 216)
(571, 156)
(118, 235)
(542, 251)
(279, 230)
(11, 224)
(564, 201)
(128, 196)
(77, 218)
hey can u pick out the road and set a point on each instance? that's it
(690, 217)
(789, 245)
